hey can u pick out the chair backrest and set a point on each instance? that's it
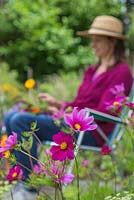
(113, 139)
(119, 129)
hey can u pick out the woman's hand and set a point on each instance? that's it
(52, 110)
(50, 100)
(47, 98)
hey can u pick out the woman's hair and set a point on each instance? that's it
(119, 51)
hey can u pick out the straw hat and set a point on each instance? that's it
(105, 25)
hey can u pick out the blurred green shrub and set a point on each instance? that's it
(42, 34)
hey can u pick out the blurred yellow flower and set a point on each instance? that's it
(30, 83)
(3, 143)
(6, 87)
(9, 89)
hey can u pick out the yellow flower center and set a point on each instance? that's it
(116, 103)
(14, 174)
(77, 126)
(3, 141)
(6, 154)
(63, 145)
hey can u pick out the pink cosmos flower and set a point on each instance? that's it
(2, 155)
(24, 110)
(10, 142)
(67, 178)
(130, 105)
(79, 121)
(56, 168)
(116, 104)
(64, 147)
(15, 173)
(85, 163)
(118, 89)
(47, 152)
(105, 150)
(53, 169)
(38, 168)
(58, 115)
(56, 171)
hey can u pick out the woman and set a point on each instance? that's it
(106, 33)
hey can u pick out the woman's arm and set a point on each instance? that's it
(52, 101)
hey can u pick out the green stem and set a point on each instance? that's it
(130, 135)
(32, 157)
(47, 195)
(55, 191)
(77, 174)
(34, 134)
(61, 191)
(115, 180)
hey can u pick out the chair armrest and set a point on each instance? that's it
(104, 117)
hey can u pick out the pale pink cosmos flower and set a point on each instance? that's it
(56, 171)
(11, 141)
(118, 89)
(67, 178)
(15, 173)
(53, 169)
(64, 147)
(38, 168)
(58, 115)
(79, 121)
(47, 152)
(85, 163)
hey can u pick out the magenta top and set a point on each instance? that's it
(94, 92)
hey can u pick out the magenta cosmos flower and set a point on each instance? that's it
(116, 104)
(10, 142)
(105, 150)
(15, 173)
(130, 105)
(79, 121)
(2, 155)
(64, 147)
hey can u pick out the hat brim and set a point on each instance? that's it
(93, 31)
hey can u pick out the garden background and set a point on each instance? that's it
(38, 40)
